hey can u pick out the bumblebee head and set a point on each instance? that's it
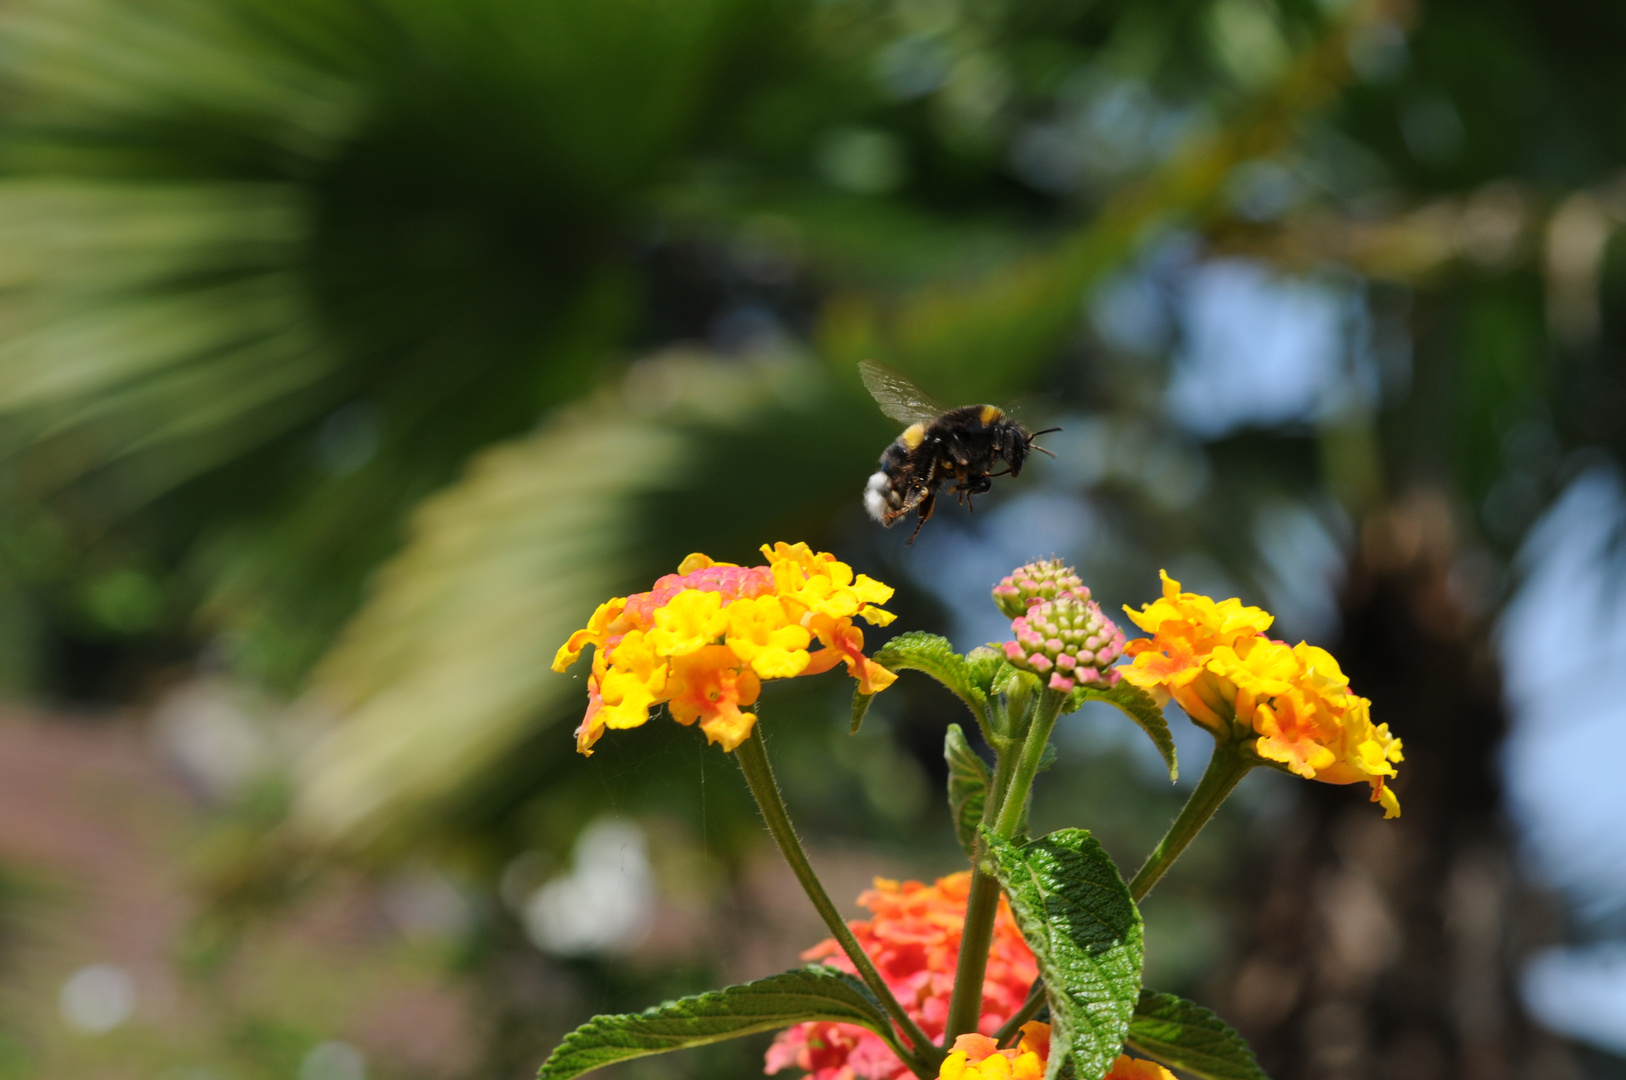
(1016, 452)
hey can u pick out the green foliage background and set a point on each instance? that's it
(366, 346)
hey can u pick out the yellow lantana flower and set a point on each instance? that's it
(1197, 619)
(635, 679)
(821, 584)
(1291, 704)
(760, 632)
(703, 640)
(978, 1057)
(688, 622)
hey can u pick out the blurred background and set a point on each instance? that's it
(352, 350)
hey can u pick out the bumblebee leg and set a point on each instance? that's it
(922, 513)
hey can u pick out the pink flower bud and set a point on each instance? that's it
(1066, 637)
(1037, 582)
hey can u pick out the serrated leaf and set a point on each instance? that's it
(967, 787)
(810, 993)
(1138, 705)
(861, 704)
(933, 655)
(1077, 916)
(1186, 1036)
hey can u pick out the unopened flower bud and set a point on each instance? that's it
(1067, 641)
(1038, 581)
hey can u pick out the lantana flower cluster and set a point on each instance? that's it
(978, 1057)
(1292, 701)
(703, 640)
(914, 941)
(1060, 634)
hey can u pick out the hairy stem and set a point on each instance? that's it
(1014, 806)
(1225, 770)
(753, 758)
(1003, 814)
(982, 905)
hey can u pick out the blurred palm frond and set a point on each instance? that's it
(444, 669)
(157, 321)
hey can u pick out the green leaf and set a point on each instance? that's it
(861, 704)
(1139, 706)
(1186, 1036)
(1077, 916)
(811, 993)
(967, 787)
(932, 654)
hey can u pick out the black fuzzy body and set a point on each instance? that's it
(966, 446)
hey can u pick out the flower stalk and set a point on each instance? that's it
(1003, 815)
(982, 907)
(1013, 810)
(752, 755)
(1226, 769)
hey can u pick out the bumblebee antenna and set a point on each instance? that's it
(1034, 446)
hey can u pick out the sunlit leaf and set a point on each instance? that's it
(933, 655)
(811, 993)
(1077, 916)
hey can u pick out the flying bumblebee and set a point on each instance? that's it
(940, 444)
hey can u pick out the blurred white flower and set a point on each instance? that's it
(607, 901)
(333, 1060)
(96, 999)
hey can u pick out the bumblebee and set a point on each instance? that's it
(940, 444)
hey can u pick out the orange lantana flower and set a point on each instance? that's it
(914, 940)
(1292, 703)
(703, 640)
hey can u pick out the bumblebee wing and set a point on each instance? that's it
(899, 398)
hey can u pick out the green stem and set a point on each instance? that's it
(1030, 1008)
(1003, 813)
(1225, 770)
(981, 908)
(1013, 811)
(753, 758)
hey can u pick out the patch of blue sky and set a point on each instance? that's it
(1563, 644)
(1259, 349)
